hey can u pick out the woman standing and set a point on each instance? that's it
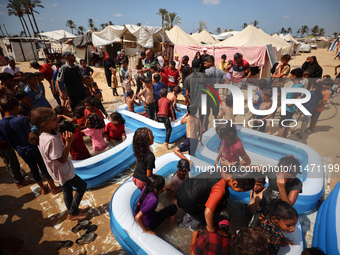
(108, 65)
(196, 63)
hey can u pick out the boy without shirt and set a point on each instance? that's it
(148, 99)
(172, 96)
(193, 128)
(130, 101)
(227, 112)
(265, 105)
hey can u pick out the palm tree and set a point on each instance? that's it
(139, 24)
(91, 24)
(95, 29)
(14, 8)
(335, 34)
(202, 25)
(255, 23)
(244, 25)
(30, 5)
(304, 30)
(27, 11)
(102, 25)
(110, 23)
(162, 13)
(289, 30)
(80, 30)
(70, 24)
(226, 30)
(218, 30)
(298, 32)
(322, 31)
(283, 31)
(315, 30)
(172, 19)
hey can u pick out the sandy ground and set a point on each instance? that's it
(34, 223)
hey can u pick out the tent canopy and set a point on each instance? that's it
(178, 36)
(225, 35)
(58, 35)
(83, 40)
(290, 38)
(204, 37)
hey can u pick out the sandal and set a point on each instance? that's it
(87, 238)
(64, 244)
(90, 229)
(81, 225)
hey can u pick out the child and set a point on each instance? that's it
(78, 148)
(173, 75)
(40, 78)
(97, 94)
(232, 148)
(282, 217)
(257, 100)
(95, 130)
(145, 159)
(149, 102)
(91, 107)
(146, 216)
(34, 91)
(115, 130)
(256, 194)
(88, 86)
(265, 105)
(79, 115)
(157, 86)
(228, 110)
(85, 70)
(63, 114)
(54, 87)
(58, 163)
(126, 77)
(7, 83)
(274, 113)
(193, 128)
(14, 130)
(164, 78)
(206, 242)
(326, 85)
(114, 82)
(130, 101)
(304, 80)
(172, 96)
(25, 102)
(182, 174)
(334, 90)
(163, 115)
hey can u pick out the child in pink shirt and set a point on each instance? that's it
(95, 130)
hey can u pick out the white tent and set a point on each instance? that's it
(225, 35)
(58, 35)
(289, 38)
(204, 37)
(20, 48)
(252, 36)
(178, 36)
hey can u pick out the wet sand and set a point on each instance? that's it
(40, 220)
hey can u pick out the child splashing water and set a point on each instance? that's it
(58, 163)
(146, 216)
(280, 217)
(95, 130)
(213, 243)
(145, 159)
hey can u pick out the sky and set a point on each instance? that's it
(271, 15)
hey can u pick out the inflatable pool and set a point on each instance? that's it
(327, 225)
(102, 167)
(134, 121)
(132, 238)
(266, 149)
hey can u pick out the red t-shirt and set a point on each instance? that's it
(216, 194)
(172, 76)
(81, 121)
(232, 151)
(46, 71)
(163, 107)
(78, 148)
(165, 80)
(98, 112)
(114, 132)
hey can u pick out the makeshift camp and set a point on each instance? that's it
(225, 35)
(289, 38)
(179, 37)
(21, 48)
(204, 37)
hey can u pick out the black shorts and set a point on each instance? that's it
(289, 115)
(189, 144)
(315, 115)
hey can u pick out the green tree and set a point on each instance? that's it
(172, 19)
(139, 24)
(322, 32)
(80, 30)
(102, 26)
(110, 23)
(283, 31)
(202, 25)
(70, 24)
(31, 5)
(289, 30)
(315, 30)
(218, 30)
(226, 30)
(162, 13)
(244, 25)
(91, 24)
(255, 23)
(15, 8)
(304, 30)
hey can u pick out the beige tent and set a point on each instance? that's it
(178, 36)
(289, 38)
(204, 37)
(252, 36)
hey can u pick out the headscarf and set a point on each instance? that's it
(107, 56)
(198, 53)
(315, 70)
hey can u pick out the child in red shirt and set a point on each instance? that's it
(79, 115)
(163, 114)
(91, 107)
(173, 75)
(115, 130)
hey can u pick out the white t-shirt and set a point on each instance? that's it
(160, 61)
(8, 69)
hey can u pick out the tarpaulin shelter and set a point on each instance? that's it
(178, 36)
(21, 48)
(225, 35)
(58, 35)
(204, 37)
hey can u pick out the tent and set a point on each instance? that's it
(289, 38)
(178, 36)
(252, 36)
(225, 35)
(21, 48)
(204, 37)
(58, 35)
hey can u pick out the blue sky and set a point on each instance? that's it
(272, 15)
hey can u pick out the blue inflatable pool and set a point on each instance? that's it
(101, 168)
(265, 149)
(326, 234)
(135, 121)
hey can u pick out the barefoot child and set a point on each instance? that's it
(193, 129)
(148, 99)
(130, 100)
(227, 112)
(58, 163)
(95, 130)
(163, 115)
(157, 86)
(114, 82)
(115, 130)
(256, 194)
(182, 174)
(145, 159)
(172, 96)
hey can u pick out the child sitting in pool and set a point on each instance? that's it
(206, 242)
(182, 174)
(256, 194)
(280, 217)
(91, 107)
(95, 130)
(63, 114)
(145, 159)
(79, 115)
(115, 130)
(232, 147)
(130, 100)
(145, 214)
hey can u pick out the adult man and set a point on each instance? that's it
(45, 69)
(148, 62)
(10, 68)
(241, 68)
(124, 57)
(139, 64)
(203, 57)
(72, 77)
(160, 59)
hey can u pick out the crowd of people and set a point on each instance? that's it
(45, 138)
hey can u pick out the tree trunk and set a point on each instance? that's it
(26, 26)
(31, 23)
(35, 23)
(22, 24)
